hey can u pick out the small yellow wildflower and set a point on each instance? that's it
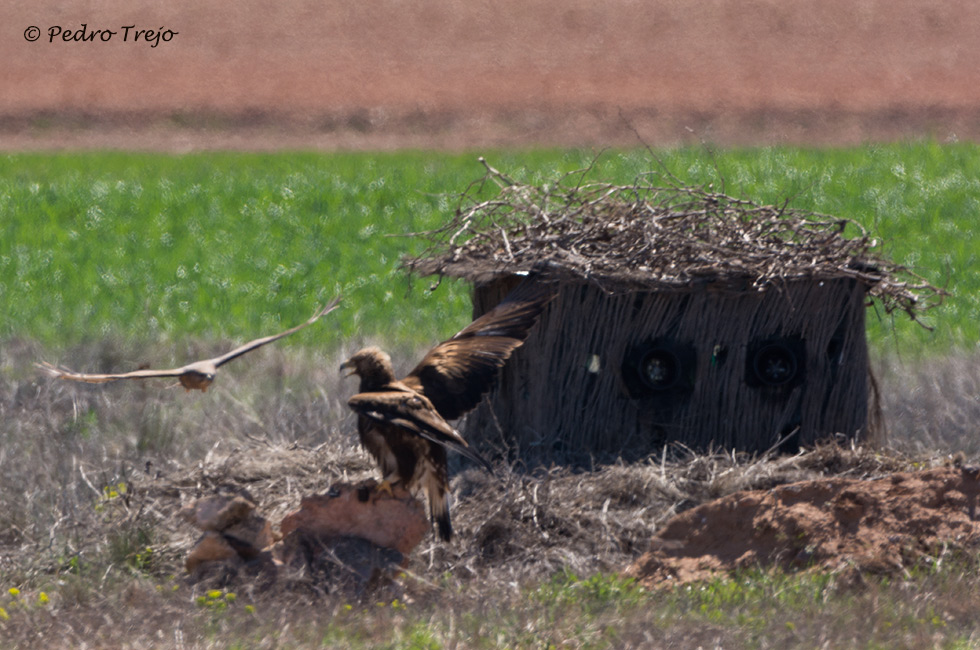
(14, 591)
(250, 609)
(43, 598)
(4, 615)
(214, 594)
(231, 596)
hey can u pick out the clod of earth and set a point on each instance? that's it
(397, 522)
(347, 539)
(879, 525)
(234, 534)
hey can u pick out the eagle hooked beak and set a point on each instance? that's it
(348, 365)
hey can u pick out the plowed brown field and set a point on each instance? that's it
(477, 73)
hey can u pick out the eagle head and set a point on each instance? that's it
(372, 365)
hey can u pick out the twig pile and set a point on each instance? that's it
(642, 236)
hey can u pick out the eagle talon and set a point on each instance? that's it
(385, 486)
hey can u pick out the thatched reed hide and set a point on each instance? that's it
(683, 315)
(571, 395)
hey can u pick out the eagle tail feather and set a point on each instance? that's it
(439, 511)
(445, 528)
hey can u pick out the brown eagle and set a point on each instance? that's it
(403, 424)
(199, 374)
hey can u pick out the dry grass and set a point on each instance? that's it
(92, 478)
(932, 404)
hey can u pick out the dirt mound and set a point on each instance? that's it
(879, 525)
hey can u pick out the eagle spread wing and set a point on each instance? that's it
(197, 375)
(93, 378)
(257, 343)
(455, 374)
(403, 424)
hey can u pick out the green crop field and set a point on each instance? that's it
(147, 246)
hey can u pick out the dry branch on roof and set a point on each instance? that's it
(648, 237)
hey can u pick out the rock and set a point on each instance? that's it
(350, 539)
(250, 536)
(217, 512)
(211, 547)
(357, 510)
(234, 536)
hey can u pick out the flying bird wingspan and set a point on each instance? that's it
(196, 375)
